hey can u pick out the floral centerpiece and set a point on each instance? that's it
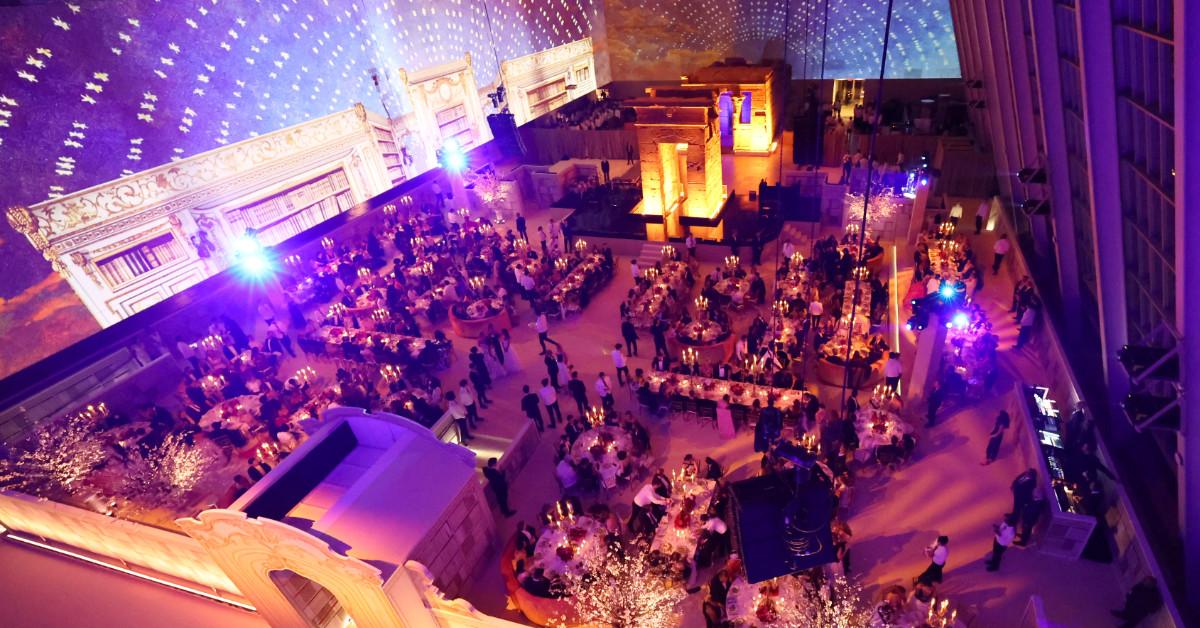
(702, 332)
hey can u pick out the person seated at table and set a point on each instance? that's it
(722, 371)
(690, 466)
(566, 473)
(234, 437)
(782, 379)
(526, 538)
(712, 469)
(258, 470)
(637, 433)
(537, 584)
(680, 568)
(572, 428)
(714, 602)
(661, 362)
(624, 466)
(891, 608)
(563, 449)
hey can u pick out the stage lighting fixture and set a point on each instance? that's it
(252, 259)
(1143, 409)
(946, 290)
(1150, 362)
(1031, 175)
(452, 156)
(961, 320)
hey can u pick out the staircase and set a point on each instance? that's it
(651, 253)
(800, 235)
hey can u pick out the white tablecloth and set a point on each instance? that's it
(668, 538)
(545, 553)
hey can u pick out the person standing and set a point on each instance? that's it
(999, 250)
(605, 169)
(549, 398)
(1022, 490)
(542, 326)
(521, 227)
(468, 402)
(1030, 513)
(658, 329)
(629, 333)
(1001, 540)
(618, 359)
(1142, 601)
(981, 215)
(938, 554)
(996, 437)
(933, 403)
(892, 370)
(533, 408)
(551, 368)
(1025, 330)
(604, 391)
(690, 243)
(499, 484)
(459, 413)
(578, 392)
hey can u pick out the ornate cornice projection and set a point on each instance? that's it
(23, 221)
(161, 187)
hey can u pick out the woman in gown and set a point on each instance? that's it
(512, 363)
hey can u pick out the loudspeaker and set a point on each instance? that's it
(504, 134)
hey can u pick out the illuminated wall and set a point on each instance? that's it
(90, 92)
(663, 39)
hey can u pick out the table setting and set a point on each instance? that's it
(566, 544)
(601, 445)
(876, 427)
(679, 530)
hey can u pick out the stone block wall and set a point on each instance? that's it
(459, 541)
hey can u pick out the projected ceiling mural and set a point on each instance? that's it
(91, 91)
(662, 39)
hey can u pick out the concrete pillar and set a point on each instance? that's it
(917, 218)
(1094, 29)
(1187, 278)
(930, 343)
(1041, 20)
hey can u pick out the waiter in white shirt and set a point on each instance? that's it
(999, 250)
(604, 390)
(618, 359)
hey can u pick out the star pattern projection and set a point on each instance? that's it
(643, 33)
(101, 90)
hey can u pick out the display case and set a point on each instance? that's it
(1040, 433)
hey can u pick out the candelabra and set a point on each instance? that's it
(797, 258)
(780, 308)
(390, 373)
(380, 314)
(476, 283)
(336, 310)
(669, 253)
(732, 261)
(861, 272)
(940, 615)
(305, 375)
(389, 210)
(701, 303)
(327, 242)
(581, 245)
(594, 416)
(292, 261)
(651, 273)
(561, 263)
(689, 357)
(363, 273)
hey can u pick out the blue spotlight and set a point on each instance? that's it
(961, 320)
(452, 156)
(946, 290)
(252, 258)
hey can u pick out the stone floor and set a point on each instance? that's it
(944, 490)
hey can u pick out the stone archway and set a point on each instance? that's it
(248, 550)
